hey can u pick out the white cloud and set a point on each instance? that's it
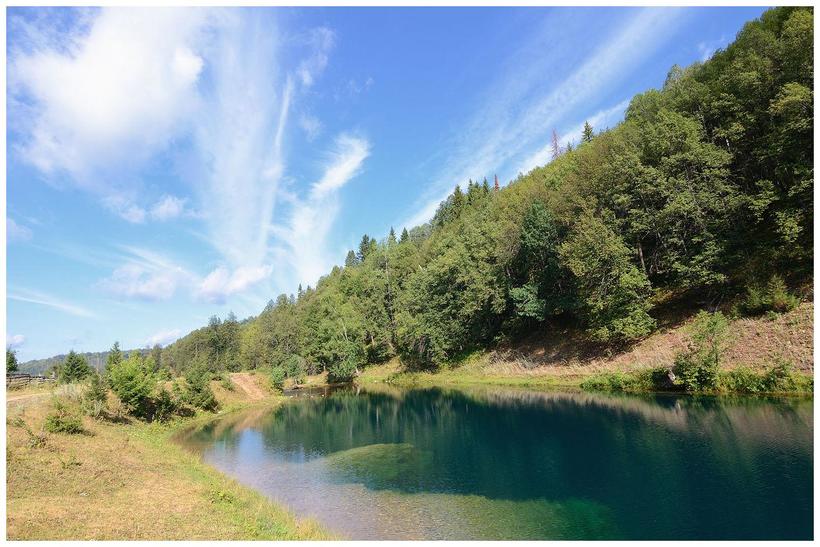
(163, 338)
(167, 208)
(125, 209)
(134, 281)
(304, 238)
(115, 96)
(517, 117)
(17, 232)
(36, 297)
(321, 41)
(146, 275)
(14, 341)
(222, 282)
(311, 126)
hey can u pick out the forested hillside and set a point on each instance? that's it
(703, 193)
(96, 360)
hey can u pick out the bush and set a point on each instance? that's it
(164, 406)
(133, 384)
(277, 378)
(226, 382)
(773, 298)
(198, 391)
(342, 371)
(780, 377)
(63, 420)
(697, 368)
(742, 380)
(296, 368)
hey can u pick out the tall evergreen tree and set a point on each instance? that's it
(350, 259)
(74, 368)
(587, 134)
(114, 356)
(404, 235)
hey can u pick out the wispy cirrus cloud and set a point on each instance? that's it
(134, 84)
(43, 299)
(17, 232)
(303, 240)
(516, 120)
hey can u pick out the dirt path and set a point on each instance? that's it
(14, 398)
(247, 383)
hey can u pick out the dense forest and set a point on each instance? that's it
(703, 193)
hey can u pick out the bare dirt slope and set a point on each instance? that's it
(756, 342)
(249, 384)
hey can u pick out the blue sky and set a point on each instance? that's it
(167, 165)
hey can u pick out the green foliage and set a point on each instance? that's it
(773, 297)
(198, 392)
(741, 380)
(74, 369)
(63, 419)
(277, 378)
(95, 396)
(226, 383)
(697, 368)
(133, 383)
(11, 360)
(706, 186)
(342, 371)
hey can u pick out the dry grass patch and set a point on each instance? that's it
(127, 482)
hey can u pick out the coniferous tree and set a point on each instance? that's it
(114, 356)
(350, 259)
(74, 368)
(556, 145)
(587, 134)
(404, 235)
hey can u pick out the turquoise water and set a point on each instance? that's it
(510, 464)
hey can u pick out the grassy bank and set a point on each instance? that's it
(128, 481)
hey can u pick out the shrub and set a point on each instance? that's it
(226, 382)
(697, 368)
(742, 380)
(133, 384)
(296, 368)
(164, 405)
(63, 420)
(773, 298)
(780, 377)
(342, 371)
(277, 377)
(198, 391)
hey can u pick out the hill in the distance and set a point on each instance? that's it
(96, 360)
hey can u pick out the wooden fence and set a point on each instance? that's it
(17, 380)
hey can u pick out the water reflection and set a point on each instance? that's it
(490, 463)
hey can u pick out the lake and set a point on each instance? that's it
(490, 463)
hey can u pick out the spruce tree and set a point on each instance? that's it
(404, 235)
(587, 134)
(74, 368)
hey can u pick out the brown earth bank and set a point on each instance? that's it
(564, 357)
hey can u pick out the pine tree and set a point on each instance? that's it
(588, 134)
(458, 201)
(114, 356)
(350, 260)
(495, 185)
(569, 147)
(485, 186)
(556, 146)
(404, 235)
(11, 360)
(391, 237)
(74, 368)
